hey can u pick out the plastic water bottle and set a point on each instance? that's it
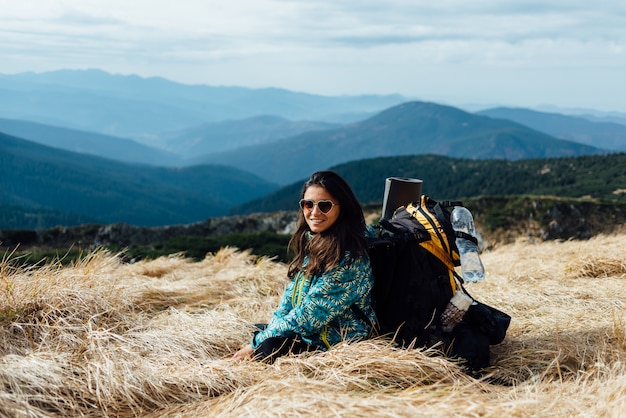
(471, 266)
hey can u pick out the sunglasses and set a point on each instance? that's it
(324, 206)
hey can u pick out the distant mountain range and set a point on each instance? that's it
(87, 146)
(606, 135)
(407, 129)
(230, 135)
(84, 142)
(142, 108)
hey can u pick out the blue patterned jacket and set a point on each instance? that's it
(318, 309)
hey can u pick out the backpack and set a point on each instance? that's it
(413, 260)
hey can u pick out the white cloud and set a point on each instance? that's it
(565, 53)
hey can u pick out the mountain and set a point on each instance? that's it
(130, 106)
(33, 176)
(587, 113)
(17, 218)
(606, 135)
(83, 142)
(407, 129)
(600, 177)
(232, 134)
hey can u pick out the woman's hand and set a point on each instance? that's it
(245, 353)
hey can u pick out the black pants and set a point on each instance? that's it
(272, 348)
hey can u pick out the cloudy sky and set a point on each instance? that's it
(566, 53)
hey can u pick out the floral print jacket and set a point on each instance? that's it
(319, 309)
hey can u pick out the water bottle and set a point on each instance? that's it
(471, 266)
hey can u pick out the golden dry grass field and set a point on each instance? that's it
(154, 338)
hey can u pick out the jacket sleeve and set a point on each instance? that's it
(285, 304)
(329, 296)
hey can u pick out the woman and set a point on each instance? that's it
(328, 298)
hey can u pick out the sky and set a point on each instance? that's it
(563, 53)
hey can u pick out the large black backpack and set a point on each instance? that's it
(413, 260)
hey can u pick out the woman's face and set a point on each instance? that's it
(315, 218)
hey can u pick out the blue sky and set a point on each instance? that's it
(570, 54)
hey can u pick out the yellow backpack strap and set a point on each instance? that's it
(438, 244)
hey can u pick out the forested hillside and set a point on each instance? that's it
(598, 177)
(565, 198)
(41, 179)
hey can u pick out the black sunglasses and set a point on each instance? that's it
(324, 206)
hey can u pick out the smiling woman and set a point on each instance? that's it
(330, 275)
(319, 214)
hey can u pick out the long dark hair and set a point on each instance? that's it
(326, 249)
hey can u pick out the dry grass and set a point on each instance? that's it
(104, 338)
